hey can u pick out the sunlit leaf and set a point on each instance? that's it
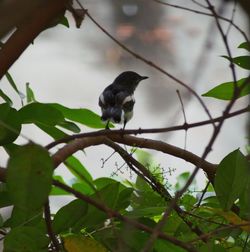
(56, 190)
(78, 243)
(52, 131)
(29, 94)
(14, 86)
(241, 61)
(64, 21)
(5, 97)
(245, 45)
(231, 178)
(29, 176)
(40, 113)
(69, 126)
(10, 124)
(225, 90)
(81, 115)
(78, 169)
(231, 217)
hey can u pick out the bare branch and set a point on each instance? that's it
(148, 62)
(85, 142)
(146, 131)
(47, 216)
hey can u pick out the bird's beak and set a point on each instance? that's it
(144, 77)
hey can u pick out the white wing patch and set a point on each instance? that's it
(128, 99)
(101, 97)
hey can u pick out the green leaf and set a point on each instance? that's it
(147, 212)
(225, 90)
(24, 217)
(181, 180)
(107, 196)
(211, 247)
(83, 187)
(5, 97)
(10, 125)
(68, 216)
(52, 131)
(124, 197)
(163, 246)
(29, 176)
(69, 126)
(188, 201)
(245, 45)
(4, 196)
(14, 86)
(83, 116)
(29, 94)
(245, 199)
(64, 21)
(56, 190)
(77, 243)
(103, 182)
(40, 113)
(231, 178)
(26, 239)
(241, 61)
(78, 170)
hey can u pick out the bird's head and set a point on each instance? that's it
(129, 79)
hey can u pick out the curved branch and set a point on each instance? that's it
(85, 142)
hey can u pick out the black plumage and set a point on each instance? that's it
(117, 100)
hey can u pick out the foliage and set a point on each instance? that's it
(109, 215)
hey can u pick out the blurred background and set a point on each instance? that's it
(72, 66)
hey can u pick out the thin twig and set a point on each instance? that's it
(205, 14)
(232, 18)
(112, 213)
(185, 118)
(245, 243)
(224, 37)
(202, 195)
(145, 131)
(148, 62)
(149, 178)
(218, 230)
(47, 217)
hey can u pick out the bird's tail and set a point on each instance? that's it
(112, 113)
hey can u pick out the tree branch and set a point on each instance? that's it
(111, 213)
(47, 217)
(28, 31)
(146, 131)
(85, 142)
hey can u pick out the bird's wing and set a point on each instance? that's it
(125, 100)
(107, 98)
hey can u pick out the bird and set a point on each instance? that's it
(117, 100)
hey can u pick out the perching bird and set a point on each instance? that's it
(117, 100)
